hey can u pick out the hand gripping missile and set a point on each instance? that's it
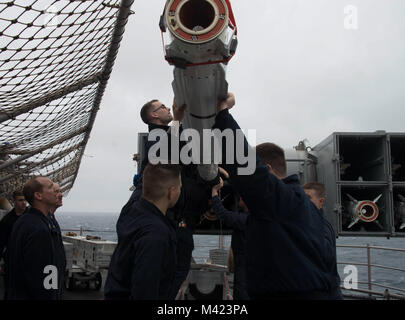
(202, 40)
(401, 211)
(364, 210)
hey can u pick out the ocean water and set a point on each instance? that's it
(104, 225)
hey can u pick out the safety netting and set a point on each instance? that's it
(55, 61)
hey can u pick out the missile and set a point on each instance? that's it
(401, 211)
(202, 38)
(364, 210)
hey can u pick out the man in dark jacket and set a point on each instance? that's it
(7, 223)
(187, 210)
(317, 194)
(157, 117)
(237, 221)
(34, 267)
(286, 247)
(144, 262)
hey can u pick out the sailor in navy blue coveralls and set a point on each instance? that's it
(6, 226)
(187, 211)
(33, 248)
(285, 237)
(144, 262)
(317, 194)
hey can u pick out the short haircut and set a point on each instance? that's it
(272, 154)
(146, 111)
(156, 179)
(30, 187)
(17, 193)
(318, 187)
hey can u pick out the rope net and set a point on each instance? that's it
(55, 60)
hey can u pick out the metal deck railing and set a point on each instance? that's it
(370, 290)
(365, 289)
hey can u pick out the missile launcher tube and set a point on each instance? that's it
(202, 41)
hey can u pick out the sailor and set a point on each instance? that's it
(316, 192)
(7, 223)
(236, 221)
(144, 262)
(33, 262)
(55, 228)
(285, 236)
(186, 213)
(157, 116)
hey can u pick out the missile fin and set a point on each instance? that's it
(353, 223)
(378, 198)
(401, 197)
(351, 198)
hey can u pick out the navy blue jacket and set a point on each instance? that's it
(235, 220)
(58, 242)
(188, 207)
(137, 193)
(285, 236)
(144, 262)
(330, 236)
(32, 246)
(6, 225)
(149, 144)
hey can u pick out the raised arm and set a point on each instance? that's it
(234, 220)
(256, 188)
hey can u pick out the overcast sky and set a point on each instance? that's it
(298, 73)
